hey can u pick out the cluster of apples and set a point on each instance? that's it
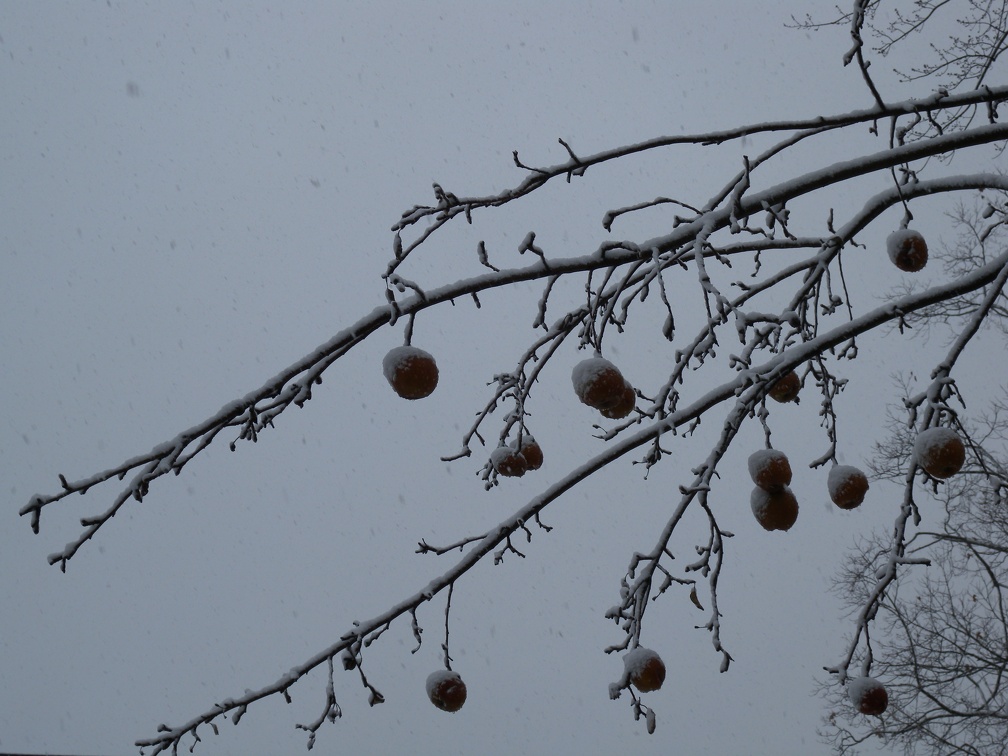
(773, 502)
(599, 384)
(413, 374)
(776, 508)
(515, 460)
(938, 450)
(942, 454)
(642, 668)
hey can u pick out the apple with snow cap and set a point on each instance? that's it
(847, 486)
(446, 690)
(507, 461)
(774, 510)
(868, 695)
(770, 469)
(411, 372)
(940, 452)
(786, 388)
(598, 383)
(907, 250)
(644, 669)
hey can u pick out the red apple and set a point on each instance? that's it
(624, 406)
(907, 250)
(508, 462)
(868, 695)
(446, 690)
(532, 453)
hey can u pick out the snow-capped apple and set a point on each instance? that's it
(644, 669)
(770, 469)
(868, 695)
(940, 452)
(598, 383)
(507, 461)
(786, 388)
(774, 510)
(411, 372)
(532, 453)
(446, 690)
(624, 406)
(847, 486)
(907, 250)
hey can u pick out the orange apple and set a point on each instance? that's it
(940, 452)
(770, 469)
(786, 388)
(411, 372)
(644, 669)
(774, 510)
(847, 486)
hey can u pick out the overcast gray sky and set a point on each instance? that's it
(194, 195)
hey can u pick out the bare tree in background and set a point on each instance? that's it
(940, 636)
(775, 302)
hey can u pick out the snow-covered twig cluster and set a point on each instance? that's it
(793, 320)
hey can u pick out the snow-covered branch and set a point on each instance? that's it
(934, 402)
(293, 386)
(788, 322)
(745, 386)
(449, 206)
